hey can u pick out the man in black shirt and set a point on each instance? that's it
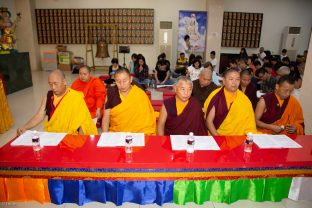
(162, 74)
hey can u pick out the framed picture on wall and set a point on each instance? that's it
(193, 24)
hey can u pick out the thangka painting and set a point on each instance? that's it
(193, 24)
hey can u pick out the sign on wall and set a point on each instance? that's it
(193, 24)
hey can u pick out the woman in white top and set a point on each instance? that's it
(194, 70)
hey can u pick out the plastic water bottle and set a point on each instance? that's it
(190, 143)
(36, 141)
(128, 143)
(248, 142)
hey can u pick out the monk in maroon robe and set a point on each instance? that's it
(248, 87)
(181, 114)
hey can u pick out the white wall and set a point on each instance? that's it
(277, 15)
(164, 10)
(305, 94)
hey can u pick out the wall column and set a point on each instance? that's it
(215, 9)
(305, 94)
(26, 32)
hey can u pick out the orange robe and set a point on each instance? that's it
(6, 119)
(292, 114)
(94, 93)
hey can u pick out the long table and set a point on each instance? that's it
(78, 171)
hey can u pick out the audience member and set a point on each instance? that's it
(132, 63)
(141, 71)
(214, 61)
(267, 81)
(248, 87)
(111, 71)
(284, 54)
(261, 54)
(194, 70)
(243, 54)
(297, 86)
(282, 71)
(181, 66)
(162, 74)
(203, 86)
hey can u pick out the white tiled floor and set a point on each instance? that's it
(24, 104)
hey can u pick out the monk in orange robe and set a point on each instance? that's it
(93, 89)
(279, 112)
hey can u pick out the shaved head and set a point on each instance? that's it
(205, 77)
(59, 73)
(57, 82)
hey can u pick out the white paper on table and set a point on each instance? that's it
(160, 86)
(46, 139)
(115, 139)
(179, 142)
(274, 141)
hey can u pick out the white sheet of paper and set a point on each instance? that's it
(115, 139)
(160, 86)
(179, 142)
(46, 139)
(265, 141)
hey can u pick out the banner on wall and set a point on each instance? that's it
(193, 24)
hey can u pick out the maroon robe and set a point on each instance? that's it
(113, 97)
(190, 120)
(274, 111)
(251, 93)
(219, 102)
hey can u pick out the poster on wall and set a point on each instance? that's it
(193, 24)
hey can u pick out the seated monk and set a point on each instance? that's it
(66, 109)
(248, 87)
(228, 110)
(127, 107)
(93, 89)
(279, 112)
(203, 86)
(181, 114)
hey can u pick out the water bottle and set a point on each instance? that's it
(35, 141)
(128, 143)
(190, 143)
(248, 142)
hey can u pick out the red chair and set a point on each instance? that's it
(168, 94)
(157, 104)
(104, 77)
(149, 94)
